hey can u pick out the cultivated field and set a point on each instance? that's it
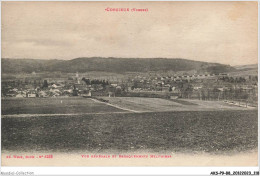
(126, 124)
(196, 131)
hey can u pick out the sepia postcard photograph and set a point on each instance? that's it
(129, 83)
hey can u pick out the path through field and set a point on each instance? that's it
(116, 106)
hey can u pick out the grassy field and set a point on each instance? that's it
(67, 105)
(195, 131)
(158, 104)
(79, 105)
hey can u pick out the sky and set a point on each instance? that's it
(222, 32)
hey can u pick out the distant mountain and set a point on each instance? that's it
(246, 67)
(115, 65)
(245, 70)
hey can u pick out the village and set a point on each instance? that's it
(197, 86)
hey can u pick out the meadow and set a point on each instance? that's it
(66, 105)
(141, 104)
(80, 105)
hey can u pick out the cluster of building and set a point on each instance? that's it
(202, 86)
(55, 87)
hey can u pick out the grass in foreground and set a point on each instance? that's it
(206, 131)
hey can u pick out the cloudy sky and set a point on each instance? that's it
(223, 32)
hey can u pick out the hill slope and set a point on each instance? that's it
(246, 67)
(115, 65)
